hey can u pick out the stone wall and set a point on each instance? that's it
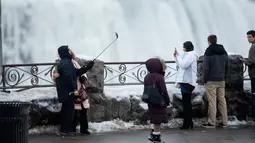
(104, 108)
(239, 102)
(95, 76)
(235, 78)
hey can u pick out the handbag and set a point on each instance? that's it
(152, 95)
(82, 95)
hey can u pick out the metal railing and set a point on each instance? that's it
(133, 73)
(26, 76)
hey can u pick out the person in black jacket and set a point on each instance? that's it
(66, 85)
(215, 68)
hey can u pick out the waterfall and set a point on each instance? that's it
(32, 30)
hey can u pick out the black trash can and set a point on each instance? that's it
(14, 118)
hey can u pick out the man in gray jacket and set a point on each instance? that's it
(215, 68)
(250, 62)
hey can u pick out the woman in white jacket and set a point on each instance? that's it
(186, 80)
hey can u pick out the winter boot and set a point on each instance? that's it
(155, 138)
(150, 136)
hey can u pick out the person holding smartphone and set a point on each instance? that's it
(186, 80)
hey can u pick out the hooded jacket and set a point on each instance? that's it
(156, 75)
(215, 63)
(156, 67)
(67, 81)
(187, 68)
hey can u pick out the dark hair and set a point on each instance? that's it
(251, 32)
(212, 39)
(188, 46)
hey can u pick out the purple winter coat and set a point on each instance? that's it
(157, 114)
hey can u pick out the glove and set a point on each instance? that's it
(55, 75)
(82, 79)
(90, 65)
(76, 93)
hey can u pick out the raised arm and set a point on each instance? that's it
(84, 69)
(185, 62)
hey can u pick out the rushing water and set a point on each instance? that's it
(34, 29)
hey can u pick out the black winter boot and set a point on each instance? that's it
(155, 138)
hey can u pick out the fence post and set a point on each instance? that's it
(3, 78)
(1, 48)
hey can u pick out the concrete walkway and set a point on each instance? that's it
(198, 135)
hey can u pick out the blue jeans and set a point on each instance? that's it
(253, 94)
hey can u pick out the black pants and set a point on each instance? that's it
(187, 108)
(82, 118)
(253, 94)
(67, 112)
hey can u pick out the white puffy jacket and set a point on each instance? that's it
(186, 68)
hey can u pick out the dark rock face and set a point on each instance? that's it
(44, 112)
(239, 104)
(95, 76)
(235, 77)
(47, 111)
(238, 101)
(105, 109)
(198, 105)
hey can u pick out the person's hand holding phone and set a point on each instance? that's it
(175, 52)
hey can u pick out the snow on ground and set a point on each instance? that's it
(118, 92)
(29, 95)
(247, 85)
(119, 125)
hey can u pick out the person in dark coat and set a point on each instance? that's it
(66, 85)
(215, 69)
(158, 114)
(250, 62)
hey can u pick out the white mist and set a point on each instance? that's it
(34, 29)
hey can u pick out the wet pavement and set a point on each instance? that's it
(198, 135)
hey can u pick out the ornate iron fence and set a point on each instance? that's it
(26, 76)
(133, 73)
